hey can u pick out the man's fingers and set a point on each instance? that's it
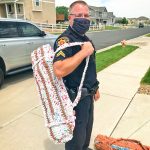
(96, 96)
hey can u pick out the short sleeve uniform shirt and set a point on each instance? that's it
(73, 79)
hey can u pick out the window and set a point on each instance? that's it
(9, 7)
(29, 30)
(37, 5)
(37, 2)
(8, 30)
(18, 8)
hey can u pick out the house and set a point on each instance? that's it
(136, 21)
(39, 11)
(100, 15)
(60, 18)
(111, 18)
(144, 20)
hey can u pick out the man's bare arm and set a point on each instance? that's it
(65, 67)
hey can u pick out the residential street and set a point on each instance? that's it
(107, 38)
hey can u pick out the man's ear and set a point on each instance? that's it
(70, 20)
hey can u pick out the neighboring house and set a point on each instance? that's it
(60, 18)
(138, 20)
(111, 17)
(132, 21)
(100, 15)
(144, 20)
(40, 11)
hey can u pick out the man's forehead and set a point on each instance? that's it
(80, 8)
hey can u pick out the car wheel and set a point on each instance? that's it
(1, 77)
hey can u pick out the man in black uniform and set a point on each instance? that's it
(69, 64)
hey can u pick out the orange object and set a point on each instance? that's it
(108, 143)
(123, 43)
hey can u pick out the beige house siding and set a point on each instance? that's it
(44, 13)
(50, 12)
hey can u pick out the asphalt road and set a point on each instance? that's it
(108, 38)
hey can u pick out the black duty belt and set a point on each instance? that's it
(85, 92)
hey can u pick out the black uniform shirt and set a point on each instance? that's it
(73, 79)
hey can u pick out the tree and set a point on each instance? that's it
(62, 10)
(124, 21)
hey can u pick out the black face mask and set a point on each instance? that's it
(81, 25)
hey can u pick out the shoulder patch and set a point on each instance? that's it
(61, 53)
(62, 41)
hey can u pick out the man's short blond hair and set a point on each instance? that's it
(77, 2)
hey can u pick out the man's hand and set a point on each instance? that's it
(97, 95)
(87, 49)
(68, 65)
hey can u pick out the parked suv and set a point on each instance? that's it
(18, 38)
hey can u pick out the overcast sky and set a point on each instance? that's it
(120, 8)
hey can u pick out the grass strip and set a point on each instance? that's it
(111, 28)
(110, 56)
(146, 78)
(148, 35)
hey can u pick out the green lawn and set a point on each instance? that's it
(110, 56)
(111, 28)
(146, 78)
(148, 35)
(56, 33)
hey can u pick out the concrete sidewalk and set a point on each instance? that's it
(120, 112)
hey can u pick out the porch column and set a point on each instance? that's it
(15, 10)
(23, 12)
(6, 10)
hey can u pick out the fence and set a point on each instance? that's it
(58, 28)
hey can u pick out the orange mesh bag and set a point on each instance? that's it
(108, 143)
